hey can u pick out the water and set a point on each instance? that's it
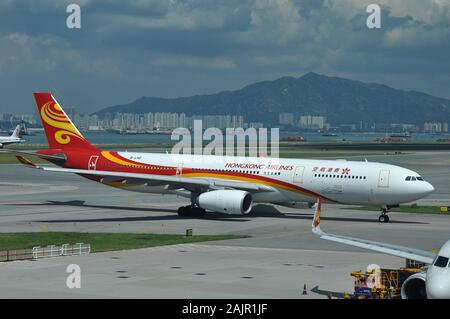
(363, 137)
(112, 138)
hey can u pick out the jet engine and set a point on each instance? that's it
(233, 202)
(415, 287)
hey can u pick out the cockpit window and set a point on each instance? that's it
(413, 178)
(441, 261)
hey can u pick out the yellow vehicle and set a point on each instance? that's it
(381, 283)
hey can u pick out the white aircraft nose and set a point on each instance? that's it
(417, 190)
(428, 188)
(438, 286)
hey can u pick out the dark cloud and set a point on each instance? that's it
(127, 49)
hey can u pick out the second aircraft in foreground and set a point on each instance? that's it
(432, 283)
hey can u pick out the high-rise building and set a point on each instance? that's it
(312, 122)
(435, 127)
(286, 119)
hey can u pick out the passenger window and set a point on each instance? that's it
(441, 262)
(408, 178)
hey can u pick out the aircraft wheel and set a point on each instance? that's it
(383, 219)
(188, 211)
(182, 212)
(197, 212)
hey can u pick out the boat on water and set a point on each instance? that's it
(329, 134)
(401, 135)
(395, 138)
(295, 138)
(159, 132)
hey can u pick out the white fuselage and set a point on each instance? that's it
(298, 180)
(438, 275)
(5, 140)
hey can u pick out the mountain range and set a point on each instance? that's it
(341, 100)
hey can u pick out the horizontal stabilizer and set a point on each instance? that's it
(58, 158)
(26, 162)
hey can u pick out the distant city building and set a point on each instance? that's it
(155, 121)
(16, 118)
(410, 128)
(286, 119)
(256, 125)
(400, 127)
(312, 122)
(6, 117)
(435, 127)
(71, 112)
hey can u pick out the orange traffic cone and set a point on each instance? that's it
(305, 292)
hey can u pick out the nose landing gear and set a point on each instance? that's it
(384, 218)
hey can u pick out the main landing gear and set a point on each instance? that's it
(384, 218)
(191, 211)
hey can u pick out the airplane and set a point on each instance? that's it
(14, 138)
(231, 185)
(432, 283)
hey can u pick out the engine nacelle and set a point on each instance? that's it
(233, 202)
(415, 287)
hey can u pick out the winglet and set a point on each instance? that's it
(26, 162)
(316, 220)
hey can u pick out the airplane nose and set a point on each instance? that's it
(420, 190)
(438, 287)
(428, 188)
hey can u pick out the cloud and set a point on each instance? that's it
(127, 49)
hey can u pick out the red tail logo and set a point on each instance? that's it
(60, 131)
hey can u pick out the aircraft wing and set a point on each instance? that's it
(193, 184)
(398, 251)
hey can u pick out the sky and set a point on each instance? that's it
(170, 48)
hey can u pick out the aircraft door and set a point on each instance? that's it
(383, 178)
(298, 174)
